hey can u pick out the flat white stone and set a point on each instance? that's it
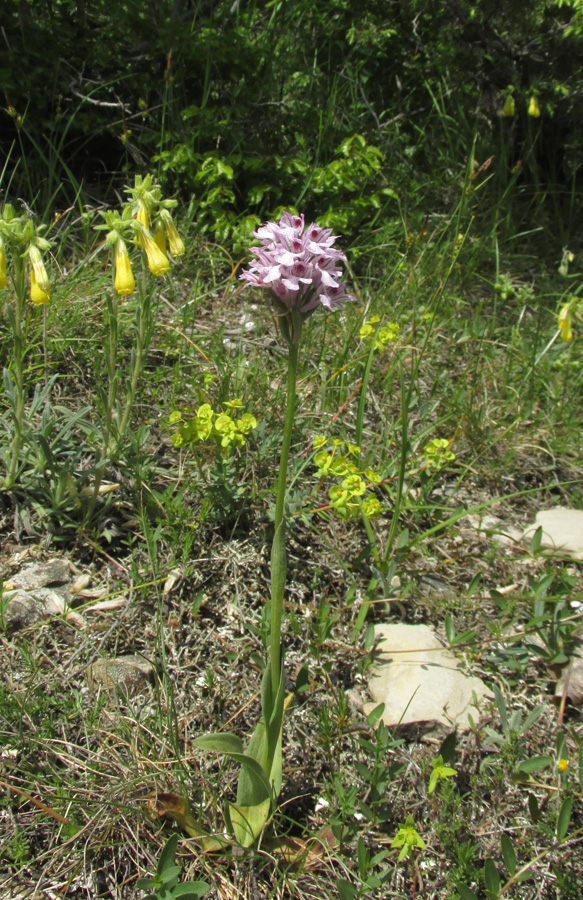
(419, 680)
(562, 530)
(500, 532)
(23, 608)
(39, 575)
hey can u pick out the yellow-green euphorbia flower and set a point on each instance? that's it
(40, 273)
(3, 276)
(157, 260)
(565, 323)
(38, 296)
(124, 283)
(534, 108)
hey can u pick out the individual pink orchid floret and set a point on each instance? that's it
(299, 265)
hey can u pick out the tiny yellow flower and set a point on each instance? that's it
(3, 276)
(509, 106)
(157, 260)
(534, 108)
(338, 496)
(203, 428)
(371, 507)
(354, 485)
(372, 476)
(322, 461)
(205, 412)
(565, 323)
(339, 466)
(246, 423)
(563, 765)
(38, 267)
(124, 283)
(37, 295)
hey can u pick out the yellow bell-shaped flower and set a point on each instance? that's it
(534, 108)
(3, 275)
(40, 273)
(124, 282)
(38, 296)
(142, 215)
(158, 262)
(175, 242)
(509, 106)
(565, 323)
(160, 236)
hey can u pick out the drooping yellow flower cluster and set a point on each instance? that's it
(23, 238)
(146, 221)
(509, 108)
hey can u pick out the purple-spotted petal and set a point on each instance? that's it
(299, 264)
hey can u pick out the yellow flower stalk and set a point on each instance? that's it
(3, 276)
(157, 260)
(124, 277)
(565, 323)
(40, 273)
(534, 108)
(38, 296)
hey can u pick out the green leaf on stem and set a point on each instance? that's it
(220, 743)
(247, 822)
(508, 854)
(492, 879)
(564, 818)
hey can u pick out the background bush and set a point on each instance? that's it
(249, 106)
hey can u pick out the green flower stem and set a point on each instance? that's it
(278, 552)
(143, 335)
(112, 380)
(372, 540)
(17, 320)
(363, 392)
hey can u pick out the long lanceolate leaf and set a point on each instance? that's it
(230, 745)
(255, 794)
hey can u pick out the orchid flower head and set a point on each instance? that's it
(299, 265)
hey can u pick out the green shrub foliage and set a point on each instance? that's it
(249, 106)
